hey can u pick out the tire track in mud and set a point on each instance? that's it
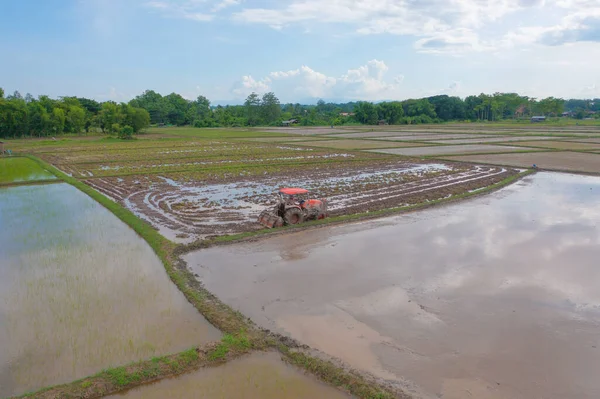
(397, 191)
(185, 211)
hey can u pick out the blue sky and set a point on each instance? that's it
(300, 49)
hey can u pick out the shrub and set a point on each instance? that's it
(126, 133)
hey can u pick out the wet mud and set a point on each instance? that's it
(451, 149)
(495, 297)
(184, 210)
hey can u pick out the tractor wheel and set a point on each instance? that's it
(293, 216)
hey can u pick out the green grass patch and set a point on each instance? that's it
(117, 379)
(332, 374)
(14, 170)
(239, 343)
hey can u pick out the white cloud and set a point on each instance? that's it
(249, 85)
(366, 82)
(225, 4)
(308, 82)
(443, 26)
(113, 95)
(195, 10)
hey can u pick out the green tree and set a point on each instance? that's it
(270, 108)
(139, 119)
(252, 107)
(76, 118)
(39, 119)
(418, 107)
(109, 116)
(57, 121)
(391, 112)
(448, 108)
(177, 108)
(13, 117)
(154, 103)
(200, 114)
(366, 113)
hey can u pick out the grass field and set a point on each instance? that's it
(17, 170)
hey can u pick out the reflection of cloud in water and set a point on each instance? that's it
(543, 234)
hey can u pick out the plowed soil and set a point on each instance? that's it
(185, 210)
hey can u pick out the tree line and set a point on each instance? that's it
(27, 116)
(43, 116)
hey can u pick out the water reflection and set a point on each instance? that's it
(495, 296)
(80, 291)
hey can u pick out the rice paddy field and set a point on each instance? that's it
(18, 170)
(79, 291)
(191, 184)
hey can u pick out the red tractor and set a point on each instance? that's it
(294, 206)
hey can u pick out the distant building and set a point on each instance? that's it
(567, 114)
(290, 122)
(346, 113)
(382, 122)
(538, 119)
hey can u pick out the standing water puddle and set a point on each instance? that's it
(495, 297)
(257, 376)
(80, 291)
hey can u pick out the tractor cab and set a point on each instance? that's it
(293, 196)
(294, 206)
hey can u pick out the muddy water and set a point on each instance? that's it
(80, 291)
(496, 297)
(258, 376)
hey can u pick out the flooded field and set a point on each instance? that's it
(504, 139)
(564, 160)
(561, 145)
(357, 144)
(407, 136)
(80, 291)
(307, 131)
(16, 170)
(493, 298)
(257, 376)
(449, 149)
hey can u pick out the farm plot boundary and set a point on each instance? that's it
(233, 323)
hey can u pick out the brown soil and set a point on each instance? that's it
(184, 210)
